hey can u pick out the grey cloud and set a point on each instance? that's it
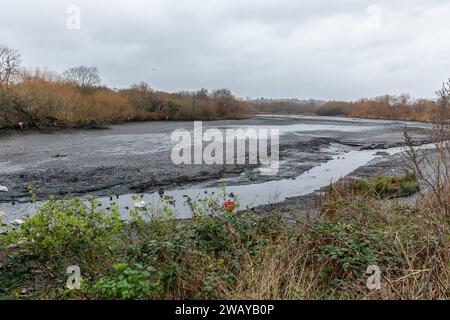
(306, 49)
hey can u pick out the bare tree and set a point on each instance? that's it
(83, 77)
(404, 99)
(141, 87)
(9, 64)
(202, 94)
(434, 170)
(10, 60)
(224, 100)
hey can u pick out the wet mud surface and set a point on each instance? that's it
(136, 157)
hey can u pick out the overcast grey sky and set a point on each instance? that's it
(340, 49)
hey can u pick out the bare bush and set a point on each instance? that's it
(9, 64)
(433, 169)
(224, 100)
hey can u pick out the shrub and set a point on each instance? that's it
(126, 283)
(386, 186)
(67, 232)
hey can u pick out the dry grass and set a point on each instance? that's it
(328, 259)
(281, 271)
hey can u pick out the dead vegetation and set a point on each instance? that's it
(401, 107)
(77, 98)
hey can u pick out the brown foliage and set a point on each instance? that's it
(384, 107)
(49, 97)
(41, 97)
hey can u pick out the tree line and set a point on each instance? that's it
(34, 98)
(402, 107)
(394, 107)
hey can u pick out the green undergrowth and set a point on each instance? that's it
(217, 255)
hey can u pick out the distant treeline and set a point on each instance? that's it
(401, 107)
(285, 106)
(77, 98)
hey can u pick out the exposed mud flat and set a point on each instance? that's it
(384, 165)
(135, 158)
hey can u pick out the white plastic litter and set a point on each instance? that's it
(140, 205)
(3, 189)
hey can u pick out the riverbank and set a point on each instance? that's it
(64, 128)
(45, 99)
(46, 128)
(228, 255)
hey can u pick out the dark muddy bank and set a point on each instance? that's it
(135, 157)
